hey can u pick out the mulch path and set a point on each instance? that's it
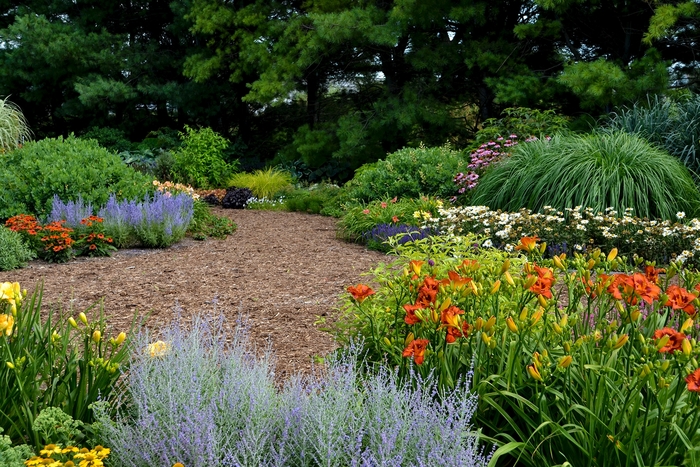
(280, 270)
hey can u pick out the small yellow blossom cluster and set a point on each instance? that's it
(170, 187)
(579, 229)
(158, 349)
(11, 294)
(79, 457)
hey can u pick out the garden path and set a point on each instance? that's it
(282, 270)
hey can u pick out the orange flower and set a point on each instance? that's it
(674, 342)
(360, 292)
(394, 219)
(680, 299)
(428, 292)
(416, 349)
(528, 244)
(415, 266)
(652, 274)
(545, 279)
(632, 288)
(411, 317)
(455, 280)
(693, 381)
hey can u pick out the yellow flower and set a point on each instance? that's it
(534, 372)
(158, 349)
(50, 449)
(6, 323)
(96, 336)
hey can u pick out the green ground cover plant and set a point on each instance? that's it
(322, 198)
(70, 167)
(574, 364)
(600, 170)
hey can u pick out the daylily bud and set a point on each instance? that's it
(523, 314)
(557, 328)
(509, 279)
(687, 324)
(543, 247)
(596, 253)
(621, 341)
(506, 266)
(662, 342)
(445, 304)
(434, 315)
(387, 341)
(537, 316)
(490, 323)
(511, 324)
(664, 365)
(612, 255)
(567, 347)
(542, 301)
(409, 338)
(534, 372)
(96, 336)
(528, 268)
(474, 288)
(529, 282)
(564, 320)
(486, 338)
(496, 286)
(83, 318)
(10, 365)
(121, 337)
(479, 323)
(590, 264)
(72, 322)
(687, 347)
(565, 361)
(558, 263)
(645, 370)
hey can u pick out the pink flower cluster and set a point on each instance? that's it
(490, 152)
(465, 181)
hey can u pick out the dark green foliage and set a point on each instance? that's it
(671, 125)
(14, 253)
(600, 170)
(69, 168)
(111, 138)
(206, 224)
(409, 172)
(523, 123)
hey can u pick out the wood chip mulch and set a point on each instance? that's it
(280, 270)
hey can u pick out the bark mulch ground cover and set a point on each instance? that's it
(279, 270)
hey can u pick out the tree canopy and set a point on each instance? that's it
(335, 83)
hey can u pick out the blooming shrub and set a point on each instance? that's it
(52, 241)
(198, 397)
(50, 361)
(572, 361)
(577, 230)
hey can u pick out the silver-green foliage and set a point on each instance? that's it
(671, 125)
(14, 129)
(599, 170)
(14, 253)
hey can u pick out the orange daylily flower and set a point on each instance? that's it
(411, 317)
(693, 381)
(427, 292)
(415, 266)
(632, 288)
(652, 273)
(455, 280)
(528, 244)
(674, 342)
(680, 299)
(545, 279)
(416, 349)
(360, 292)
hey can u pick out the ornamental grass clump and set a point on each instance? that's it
(202, 397)
(599, 170)
(579, 360)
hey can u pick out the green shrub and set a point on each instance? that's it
(409, 172)
(14, 130)
(263, 183)
(111, 138)
(317, 199)
(671, 125)
(206, 224)
(600, 170)
(14, 253)
(31, 175)
(199, 162)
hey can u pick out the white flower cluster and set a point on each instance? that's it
(579, 228)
